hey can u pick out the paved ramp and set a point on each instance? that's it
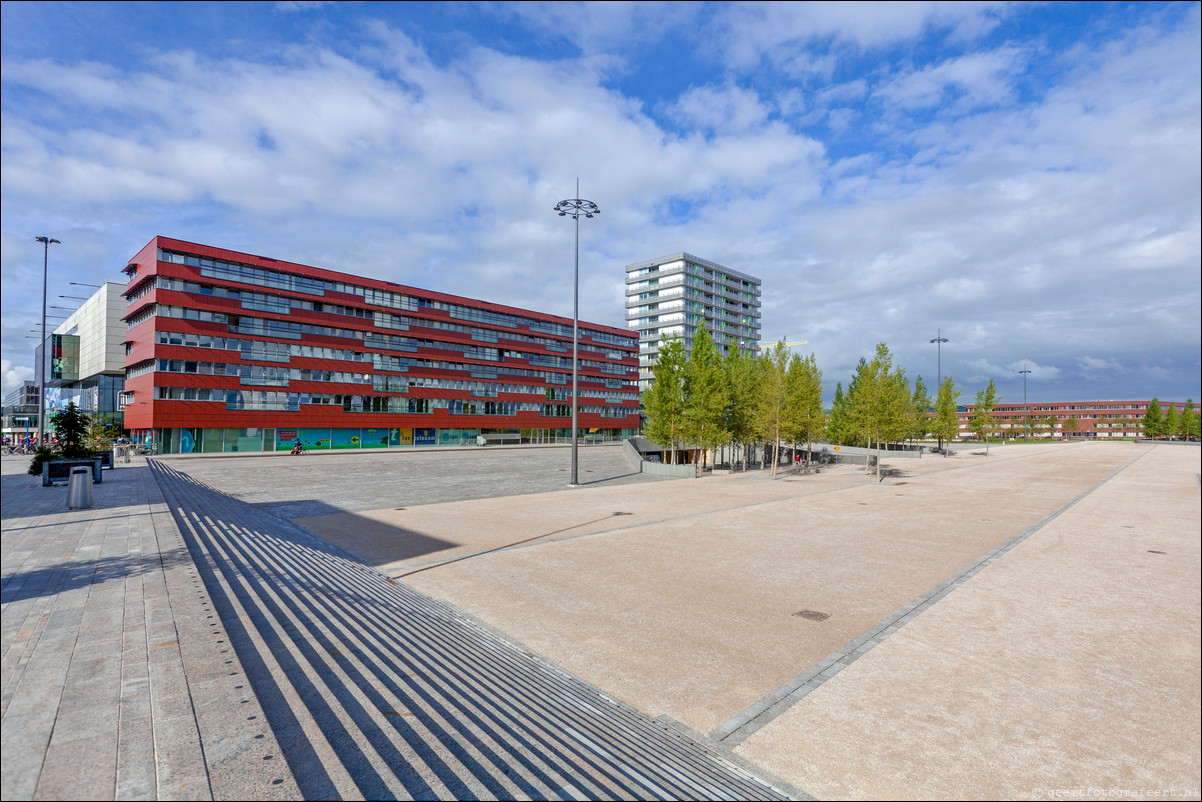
(375, 691)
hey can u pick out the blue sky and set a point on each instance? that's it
(1024, 178)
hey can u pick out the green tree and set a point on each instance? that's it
(72, 426)
(664, 399)
(1172, 421)
(983, 423)
(102, 436)
(1071, 426)
(739, 368)
(804, 392)
(881, 407)
(771, 411)
(921, 401)
(947, 423)
(837, 425)
(706, 395)
(1189, 421)
(1153, 420)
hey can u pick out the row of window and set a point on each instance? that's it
(273, 400)
(385, 383)
(246, 274)
(275, 303)
(287, 329)
(280, 328)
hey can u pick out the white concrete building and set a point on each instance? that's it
(674, 295)
(86, 356)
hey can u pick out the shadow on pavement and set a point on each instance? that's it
(71, 574)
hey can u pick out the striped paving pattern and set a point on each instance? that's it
(375, 691)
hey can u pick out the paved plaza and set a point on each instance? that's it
(1020, 625)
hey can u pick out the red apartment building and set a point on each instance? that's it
(1089, 419)
(227, 351)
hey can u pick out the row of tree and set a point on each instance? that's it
(706, 401)
(1170, 423)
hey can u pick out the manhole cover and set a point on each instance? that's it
(812, 615)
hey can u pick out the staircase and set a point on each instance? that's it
(375, 691)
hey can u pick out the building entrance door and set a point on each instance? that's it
(540, 436)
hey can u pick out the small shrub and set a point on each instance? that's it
(42, 454)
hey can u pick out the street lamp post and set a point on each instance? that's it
(1026, 409)
(46, 243)
(939, 341)
(573, 208)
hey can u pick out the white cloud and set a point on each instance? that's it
(725, 110)
(1038, 372)
(14, 375)
(1093, 365)
(1037, 229)
(975, 79)
(781, 32)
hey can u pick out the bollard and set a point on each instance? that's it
(79, 489)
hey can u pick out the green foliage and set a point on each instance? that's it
(771, 413)
(102, 436)
(837, 427)
(739, 369)
(803, 393)
(947, 425)
(664, 399)
(1153, 420)
(40, 455)
(983, 423)
(1172, 422)
(72, 425)
(1189, 421)
(705, 394)
(881, 409)
(921, 402)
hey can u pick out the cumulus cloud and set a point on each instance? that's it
(1033, 225)
(778, 31)
(1093, 365)
(14, 375)
(975, 79)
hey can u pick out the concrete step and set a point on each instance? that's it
(377, 691)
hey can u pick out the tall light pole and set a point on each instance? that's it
(46, 243)
(1026, 410)
(939, 341)
(575, 207)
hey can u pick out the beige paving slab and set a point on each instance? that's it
(1069, 668)
(685, 605)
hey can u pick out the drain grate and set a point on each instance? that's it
(1153, 551)
(812, 615)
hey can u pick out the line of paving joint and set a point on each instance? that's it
(761, 713)
(540, 732)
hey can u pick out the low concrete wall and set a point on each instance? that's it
(656, 468)
(661, 469)
(856, 451)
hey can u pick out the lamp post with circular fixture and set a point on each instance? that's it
(939, 341)
(574, 208)
(1026, 409)
(46, 243)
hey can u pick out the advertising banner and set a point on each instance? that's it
(344, 438)
(375, 438)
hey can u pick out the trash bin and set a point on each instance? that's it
(79, 489)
